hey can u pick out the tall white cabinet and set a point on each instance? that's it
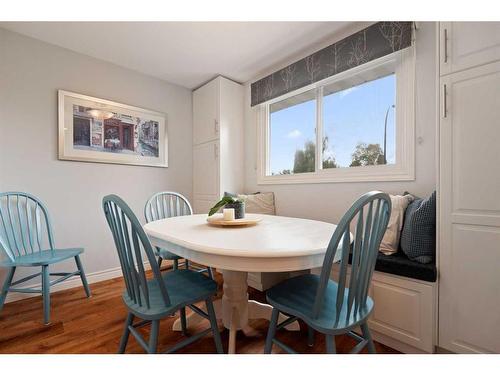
(469, 187)
(217, 142)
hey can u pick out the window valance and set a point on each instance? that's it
(375, 41)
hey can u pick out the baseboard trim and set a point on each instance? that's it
(396, 344)
(72, 282)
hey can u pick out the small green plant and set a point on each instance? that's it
(225, 200)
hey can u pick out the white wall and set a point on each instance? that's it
(328, 201)
(31, 72)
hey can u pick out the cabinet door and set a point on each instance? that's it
(206, 171)
(404, 311)
(202, 206)
(469, 211)
(206, 113)
(467, 44)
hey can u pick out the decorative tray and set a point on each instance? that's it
(218, 220)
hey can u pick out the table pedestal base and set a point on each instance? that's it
(234, 309)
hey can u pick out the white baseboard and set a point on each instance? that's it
(396, 344)
(72, 282)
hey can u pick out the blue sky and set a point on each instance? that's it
(349, 117)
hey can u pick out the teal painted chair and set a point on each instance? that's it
(160, 296)
(164, 205)
(27, 240)
(327, 306)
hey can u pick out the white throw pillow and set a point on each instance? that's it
(259, 203)
(390, 242)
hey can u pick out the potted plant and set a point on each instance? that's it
(230, 202)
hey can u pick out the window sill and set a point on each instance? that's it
(359, 174)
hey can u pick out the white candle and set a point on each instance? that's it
(228, 214)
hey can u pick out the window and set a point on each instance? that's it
(292, 124)
(362, 121)
(358, 124)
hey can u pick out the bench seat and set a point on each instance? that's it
(399, 264)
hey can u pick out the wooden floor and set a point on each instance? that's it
(81, 325)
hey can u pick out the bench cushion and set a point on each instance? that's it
(399, 264)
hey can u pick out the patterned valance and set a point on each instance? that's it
(375, 41)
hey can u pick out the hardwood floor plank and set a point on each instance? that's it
(95, 325)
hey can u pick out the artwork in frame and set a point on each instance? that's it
(102, 131)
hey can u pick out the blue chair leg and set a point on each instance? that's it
(368, 336)
(176, 264)
(183, 321)
(126, 333)
(186, 262)
(210, 272)
(271, 331)
(160, 259)
(310, 336)
(82, 276)
(213, 325)
(46, 294)
(153, 336)
(330, 344)
(6, 286)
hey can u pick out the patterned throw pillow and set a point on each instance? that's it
(418, 237)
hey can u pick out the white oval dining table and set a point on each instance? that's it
(275, 244)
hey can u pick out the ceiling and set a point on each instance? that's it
(186, 53)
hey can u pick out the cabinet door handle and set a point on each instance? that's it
(216, 151)
(216, 127)
(445, 102)
(445, 37)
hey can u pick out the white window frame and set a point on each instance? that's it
(402, 170)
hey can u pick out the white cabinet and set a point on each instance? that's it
(218, 162)
(404, 312)
(469, 186)
(206, 170)
(467, 44)
(206, 113)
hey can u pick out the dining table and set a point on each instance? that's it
(272, 244)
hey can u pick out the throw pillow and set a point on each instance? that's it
(390, 241)
(418, 237)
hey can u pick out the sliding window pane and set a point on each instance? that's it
(359, 124)
(292, 139)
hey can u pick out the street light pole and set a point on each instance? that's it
(385, 132)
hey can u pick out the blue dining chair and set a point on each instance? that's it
(27, 240)
(164, 205)
(161, 295)
(327, 306)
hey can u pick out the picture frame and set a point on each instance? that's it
(103, 131)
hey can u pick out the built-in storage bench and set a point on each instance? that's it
(405, 295)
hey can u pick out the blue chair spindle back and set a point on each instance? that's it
(369, 216)
(130, 239)
(24, 225)
(166, 204)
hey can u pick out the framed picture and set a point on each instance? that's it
(102, 131)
